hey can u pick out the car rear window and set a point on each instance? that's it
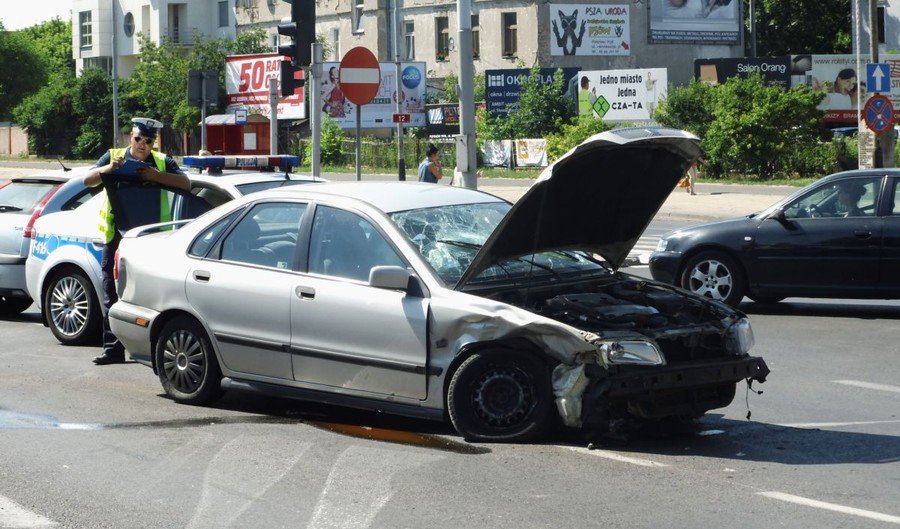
(23, 197)
(246, 189)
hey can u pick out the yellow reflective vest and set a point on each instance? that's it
(107, 222)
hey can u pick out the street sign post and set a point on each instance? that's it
(879, 114)
(359, 78)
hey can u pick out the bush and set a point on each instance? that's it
(571, 135)
(331, 144)
(688, 107)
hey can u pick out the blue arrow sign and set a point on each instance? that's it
(878, 77)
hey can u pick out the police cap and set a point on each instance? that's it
(146, 127)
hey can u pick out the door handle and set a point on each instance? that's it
(305, 292)
(201, 276)
(862, 234)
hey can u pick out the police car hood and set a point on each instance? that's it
(598, 197)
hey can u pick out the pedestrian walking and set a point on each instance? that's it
(430, 168)
(159, 169)
(692, 176)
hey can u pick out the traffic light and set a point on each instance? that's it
(302, 30)
(289, 81)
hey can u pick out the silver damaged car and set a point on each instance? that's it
(433, 301)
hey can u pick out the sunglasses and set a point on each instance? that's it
(142, 139)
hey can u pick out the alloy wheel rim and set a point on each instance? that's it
(184, 362)
(712, 279)
(503, 397)
(69, 306)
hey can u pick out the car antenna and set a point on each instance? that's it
(63, 165)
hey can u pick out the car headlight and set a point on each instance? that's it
(636, 352)
(739, 337)
(661, 245)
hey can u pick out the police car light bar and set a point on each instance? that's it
(283, 161)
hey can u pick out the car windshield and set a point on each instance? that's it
(246, 189)
(22, 197)
(449, 237)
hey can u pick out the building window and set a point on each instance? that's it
(442, 38)
(409, 38)
(335, 43)
(359, 7)
(223, 14)
(273, 41)
(87, 29)
(103, 63)
(129, 25)
(880, 25)
(476, 38)
(510, 39)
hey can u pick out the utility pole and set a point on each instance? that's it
(884, 141)
(115, 77)
(401, 159)
(315, 106)
(753, 29)
(273, 116)
(465, 142)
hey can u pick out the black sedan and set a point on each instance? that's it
(839, 237)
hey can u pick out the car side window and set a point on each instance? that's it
(208, 238)
(215, 197)
(344, 244)
(266, 236)
(83, 196)
(851, 197)
(895, 204)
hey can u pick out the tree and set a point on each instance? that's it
(92, 104)
(52, 40)
(688, 107)
(48, 116)
(22, 70)
(543, 107)
(787, 27)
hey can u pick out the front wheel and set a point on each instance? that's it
(186, 363)
(714, 275)
(500, 396)
(71, 308)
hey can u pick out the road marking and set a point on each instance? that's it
(799, 500)
(834, 424)
(14, 515)
(606, 454)
(868, 385)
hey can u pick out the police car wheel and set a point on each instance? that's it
(71, 308)
(186, 363)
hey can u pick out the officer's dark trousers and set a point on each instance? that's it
(111, 345)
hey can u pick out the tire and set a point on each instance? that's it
(13, 306)
(71, 308)
(500, 396)
(714, 275)
(766, 299)
(186, 363)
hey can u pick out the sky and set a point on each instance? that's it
(18, 15)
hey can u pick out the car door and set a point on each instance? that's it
(821, 246)
(346, 334)
(242, 288)
(890, 254)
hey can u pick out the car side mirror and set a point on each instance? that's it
(389, 277)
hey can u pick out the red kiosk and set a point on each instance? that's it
(225, 136)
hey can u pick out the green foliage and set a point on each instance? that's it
(451, 89)
(254, 40)
(688, 107)
(570, 135)
(479, 86)
(802, 26)
(23, 70)
(543, 108)
(92, 105)
(488, 128)
(52, 40)
(48, 116)
(331, 143)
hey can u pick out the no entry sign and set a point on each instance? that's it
(360, 75)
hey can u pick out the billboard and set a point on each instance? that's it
(695, 21)
(503, 87)
(590, 29)
(379, 113)
(775, 70)
(247, 86)
(844, 86)
(621, 95)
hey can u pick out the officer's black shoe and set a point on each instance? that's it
(110, 358)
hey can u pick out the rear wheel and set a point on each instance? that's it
(13, 306)
(71, 308)
(500, 396)
(714, 275)
(187, 365)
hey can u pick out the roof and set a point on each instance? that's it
(229, 119)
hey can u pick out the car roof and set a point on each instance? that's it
(389, 197)
(237, 177)
(53, 175)
(860, 172)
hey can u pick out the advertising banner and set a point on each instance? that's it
(497, 153)
(844, 87)
(775, 70)
(590, 29)
(695, 21)
(503, 87)
(380, 112)
(247, 85)
(531, 153)
(621, 95)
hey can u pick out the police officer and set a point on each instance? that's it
(163, 170)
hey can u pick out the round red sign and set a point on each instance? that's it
(360, 75)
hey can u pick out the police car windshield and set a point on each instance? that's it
(246, 189)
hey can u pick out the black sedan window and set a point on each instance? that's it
(852, 197)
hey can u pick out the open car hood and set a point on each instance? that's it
(598, 197)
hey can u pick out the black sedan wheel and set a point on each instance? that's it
(13, 306)
(71, 308)
(500, 396)
(186, 363)
(714, 275)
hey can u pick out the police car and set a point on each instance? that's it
(62, 270)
